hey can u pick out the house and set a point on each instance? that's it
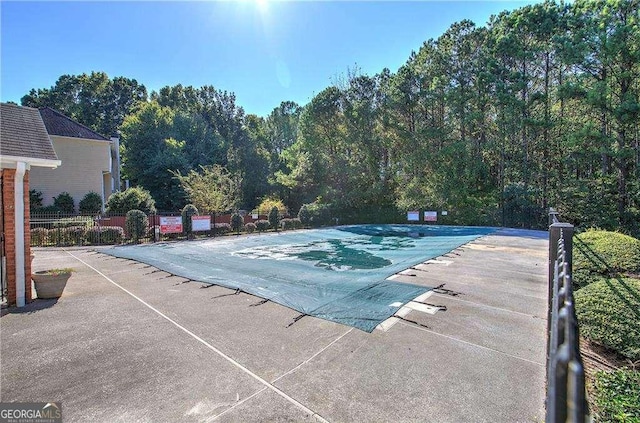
(90, 161)
(25, 146)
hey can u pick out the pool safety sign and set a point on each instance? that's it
(170, 224)
(413, 216)
(200, 223)
(431, 216)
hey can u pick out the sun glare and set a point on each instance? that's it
(262, 4)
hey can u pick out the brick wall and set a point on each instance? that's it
(8, 189)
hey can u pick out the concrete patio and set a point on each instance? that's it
(128, 343)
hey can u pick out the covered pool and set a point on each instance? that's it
(338, 274)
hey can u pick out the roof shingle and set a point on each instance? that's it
(61, 125)
(23, 133)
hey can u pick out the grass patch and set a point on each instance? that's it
(608, 314)
(616, 396)
(598, 254)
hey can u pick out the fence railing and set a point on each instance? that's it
(69, 229)
(566, 396)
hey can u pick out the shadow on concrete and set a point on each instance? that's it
(33, 307)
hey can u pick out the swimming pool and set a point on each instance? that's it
(338, 274)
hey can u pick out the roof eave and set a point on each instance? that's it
(31, 161)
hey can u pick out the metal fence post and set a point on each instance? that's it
(553, 216)
(565, 372)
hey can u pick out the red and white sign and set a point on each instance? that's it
(430, 216)
(170, 224)
(200, 223)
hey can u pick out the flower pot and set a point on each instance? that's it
(50, 285)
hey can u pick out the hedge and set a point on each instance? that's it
(262, 225)
(608, 314)
(598, 253)
(221, 228)
(105, 235)
(80, 235)
(137, 224)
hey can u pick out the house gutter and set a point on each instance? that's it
(10, 161)
(18, 201)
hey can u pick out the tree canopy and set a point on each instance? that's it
(539, 108)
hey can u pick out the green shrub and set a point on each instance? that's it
(315, 214)
(262, 225)
(297, 224)
(35, 199)
(47, 210)
(91, 203)
(68, 222)
(104, 235)
(286, 224)
(250, 227)
(55, 237)
(188, 211)
(39, 237)
(598, 253)
(62, 236)
(274, 218)
(304, 215)
(221, 228)
(237, 222)
(269, 203)
(616, 396)
(521, 209)
(136, 222)
(64, 202)
(136, 198)
(75, 235)
(609, 314)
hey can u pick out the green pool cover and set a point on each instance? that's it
(338, 274)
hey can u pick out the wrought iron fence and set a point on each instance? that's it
(69, 229)
(566, 397)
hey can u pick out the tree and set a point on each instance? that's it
(91, 203)
(134, 198)
(64, 202)
(187, 212)
(304, 215)
(92, 99)
(35, 199)
(237, 222)
(151, 150)
(274, 218)
(137, 223)
(212, 190)
(270, 202)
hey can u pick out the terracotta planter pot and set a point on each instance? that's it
(50, 286)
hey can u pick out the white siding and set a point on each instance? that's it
(83, 164)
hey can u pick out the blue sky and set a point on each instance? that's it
(264, 51)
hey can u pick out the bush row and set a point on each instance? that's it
(64, 234)
(78, 235)
(607, 303)
(288, 224)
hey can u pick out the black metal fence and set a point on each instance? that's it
(57, 229)
(566, 396)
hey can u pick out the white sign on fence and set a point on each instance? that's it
(170, 224)
(413, 216)
(430, 216)
(200, 223)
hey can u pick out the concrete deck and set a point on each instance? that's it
(127, 343)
